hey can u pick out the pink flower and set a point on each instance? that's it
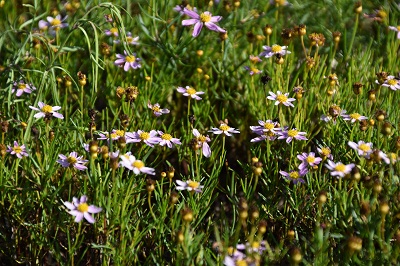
(17, 150)
(22, 87)
(204, 18)
(79, 208)
(128, 61)
(190, 92)
(73, 160)
(47, 111)
(202, 142)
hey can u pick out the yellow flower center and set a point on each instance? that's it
(166, 136)
(17, 149)
(71, 160)
(47, 109)
(138, 164)
(255, 244)
(113, 135)
(276, 48)
(22, 86)
(255, 70)
(391, 82)
(191, 91)
(364, 147)
(355, 116)
(144, 135)
(155, 108)
(292, 133)
(114, 30)
(326, 151)
(310, 159)
(205, 17)
(340, 167)
(202, 138)
(120, 133)
(129, 38)
(240, 262)
(55, 22)
(193, 184)
(294, 175)
(130, 59)
(281, 98)
(224, 127)
(83, 207)
(269, 126)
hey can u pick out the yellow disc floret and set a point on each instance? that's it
(130, 58)
(205, 17)
(292, 133)
(144, 135)
(294, 175)
(282, 98)
(276, 48)
(355, 116)
(340, 167)
(83, 207)
(17, 149)
(166, 136)
(193, 184)
(47, 109)
(138, 164)
(191, 91)
(224, 127)
(72, 160)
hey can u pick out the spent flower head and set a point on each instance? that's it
(47, 111)
(17, 150)
(205, 18)
(72, 160)
(128, 61)
(80, 209)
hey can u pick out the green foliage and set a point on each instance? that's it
(145, 219)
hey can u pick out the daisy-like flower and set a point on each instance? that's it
(190, 92)
(364, 149)
(275, 49)
(253, 70)
(205, 18)
(202, 142)
(294, 176)
(129, 39)
(264, 136)
(280, 98)
(167, 139)
(396, 29)
(189, 186)
(73, 160)
(379, 156)
(22, 87)
(53, 24)
(111, 32)
(354, 117)
(17, 150)
(128, 61)
(392, 83)
(157, 111)
(115, 135)
(225, 129)
(266, 126)
(150, 138)
(255, 59)
(47, 111)
(308, 159)
(80, 209)
(137, 166)
(339, 169)
(325, 152)
(291, 134)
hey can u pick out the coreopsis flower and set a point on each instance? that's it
(149, 138)
(202, 142)
(128, 61)
(17, 150)
(73, 160)
(47, 111)
(22, 87)
(190, 92)
(129, 39)
(325, 152)
(53, 24)
(275, 49)
(294, 176)
(354, 117)
(252, 70)
(205, 18)
(339, 169)
(392, 83)
(114, 135)
(157, 111)
(291, 134)
(137, 166)
(280, 98)
(224, 129)
(111, 32)
(363, 149)
(167, 139)
(80, 209)
(189, 186)
(396, 29)
(308, 159)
